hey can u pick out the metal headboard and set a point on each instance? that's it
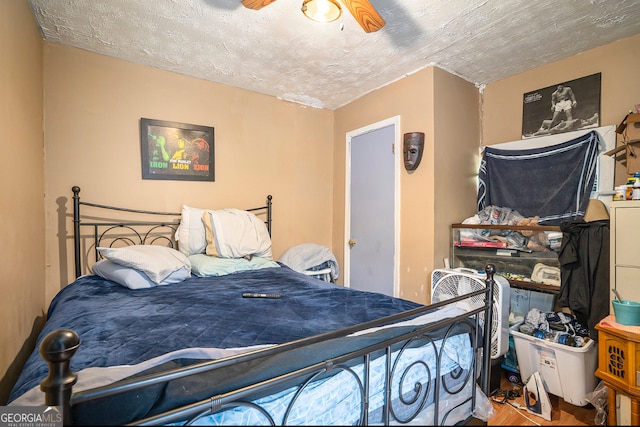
(140, 232)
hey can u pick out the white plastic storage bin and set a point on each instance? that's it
(568, 372)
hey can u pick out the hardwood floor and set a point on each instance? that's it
(562, 413)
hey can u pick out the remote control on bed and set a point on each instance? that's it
(258, 295)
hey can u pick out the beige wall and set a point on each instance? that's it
(434, 102)
(263, 146)
(456, 159)
(21, 188)
(619, 64)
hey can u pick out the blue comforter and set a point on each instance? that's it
(120, 326)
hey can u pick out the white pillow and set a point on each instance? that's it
(238, 232)
(190, 234)
(234, 233)
(132, 278)
(157, 262)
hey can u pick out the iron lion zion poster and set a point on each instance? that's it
(176, 151)
(563, 107)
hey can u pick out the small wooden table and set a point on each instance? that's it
(619, 367)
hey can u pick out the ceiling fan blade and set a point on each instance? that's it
(256, 4)
(366, 15)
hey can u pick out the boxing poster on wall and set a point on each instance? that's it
(176, 151)
(563, 107)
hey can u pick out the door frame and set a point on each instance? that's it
(397, 150)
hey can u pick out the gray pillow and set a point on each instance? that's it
(157, 262)
(132, 278)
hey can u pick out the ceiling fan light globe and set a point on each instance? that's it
(321, 10)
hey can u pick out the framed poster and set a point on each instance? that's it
(563, 107)
(176, 151)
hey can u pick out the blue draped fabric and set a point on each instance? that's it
(553, 183)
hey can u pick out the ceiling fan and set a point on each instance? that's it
(364, 13)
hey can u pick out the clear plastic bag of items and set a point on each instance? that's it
(495, 215)
(524, 239)
(599, 399)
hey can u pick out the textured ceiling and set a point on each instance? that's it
(279, 52)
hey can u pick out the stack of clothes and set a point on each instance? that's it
(551, 321)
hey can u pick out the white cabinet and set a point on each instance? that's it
(625, 270)
(625, 248)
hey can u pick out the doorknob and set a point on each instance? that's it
(352, 243)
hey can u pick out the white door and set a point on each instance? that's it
(371, 254)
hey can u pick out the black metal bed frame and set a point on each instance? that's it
(58, 348)
(139, 232)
